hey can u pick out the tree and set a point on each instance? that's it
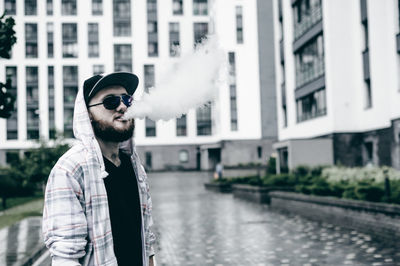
(7, 40)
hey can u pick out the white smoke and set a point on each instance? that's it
(192, 82)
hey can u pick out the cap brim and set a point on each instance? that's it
(125, 79)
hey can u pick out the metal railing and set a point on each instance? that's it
(307, 22)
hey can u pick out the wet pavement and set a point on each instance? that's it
(199, 227)
(19, 241)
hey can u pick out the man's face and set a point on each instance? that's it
(108, 125)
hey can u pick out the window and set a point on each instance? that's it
(239, 24)
(123, 57)
(283, 160)
(307, 13)
(200, 7)
(148, 160)
(70, 85)
(49, 7)
(52, 125)
(232, 91)
(369, 152)
(181, 126)
(68, 7)
(311, 106)
(177, 7)
(69, 40)
(97, 7)
(50, 40)
(122, 17)
(259, 152)
(31, 40)
(98, 69)
(310, 61)
(10, 7)
(12, 121)
(174, 43)
(152, 28)
(368, 94)
(183, 156)
(30, 7)
(93, 39)
(203, 116)
(12, 157)
(32, 102)
(149, 81)
(365, 34)
(200, 31)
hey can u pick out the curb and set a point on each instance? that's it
(30, 260)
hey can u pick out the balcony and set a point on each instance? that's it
(308, 22)
(281, 50)
(309, 72)
(365, 56)
(283, 92)
(364, 15)
(398, 42)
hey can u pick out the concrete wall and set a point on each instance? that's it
(267, 71)
(380, 220)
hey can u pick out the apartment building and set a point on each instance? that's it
(63, 42)
(338, 88)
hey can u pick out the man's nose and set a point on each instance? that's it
(121, 107)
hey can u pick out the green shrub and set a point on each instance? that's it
(271, 166)
(369, 191)
(281, 180)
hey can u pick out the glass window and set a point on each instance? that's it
(122, 17)
(50, 40)
(70, 86)
(123, 57)
(32, 102)
(200, 32)
(12, 121)
(310, 61)
(181, 126)
(150, 128)
(311, 106)
(97, 7)
(31, 40)
(49, 7)
(200, 7)
(306, 14)
(152, 28)
(68, 7)
(239, 24)
(98, 69)
(69, 40)
(232, 91)
(183, 156)
(368, 94)
(10, 7)
(93, 39)
(52, 125)
(177, 7)
(174, 40)
(30, 8)
(203, 116)
(149, 81)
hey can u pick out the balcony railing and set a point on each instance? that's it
(307, 22)
(310, 71)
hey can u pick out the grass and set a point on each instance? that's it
(12, 215)
(12, 202)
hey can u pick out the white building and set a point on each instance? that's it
(63, 42)
(338, 88)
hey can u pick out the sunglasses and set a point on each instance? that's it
(113, 101)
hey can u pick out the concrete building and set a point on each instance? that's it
(63, 42)
(338, 88)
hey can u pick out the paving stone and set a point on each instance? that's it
(224, 230)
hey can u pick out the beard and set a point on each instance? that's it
(108, 133)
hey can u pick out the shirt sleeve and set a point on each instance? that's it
(64, 220)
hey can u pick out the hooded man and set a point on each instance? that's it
(97, 207)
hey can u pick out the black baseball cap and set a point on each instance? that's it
(93, 85)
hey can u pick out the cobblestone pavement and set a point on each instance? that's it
(19, 241)
(199, 227)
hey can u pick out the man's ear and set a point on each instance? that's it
(90, 116)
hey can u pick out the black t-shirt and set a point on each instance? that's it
(125, 211)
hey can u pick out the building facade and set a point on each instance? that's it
(338, 88)
(63, 42)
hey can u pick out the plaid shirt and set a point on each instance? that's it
(76, 220)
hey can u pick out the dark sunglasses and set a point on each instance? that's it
(113, 101)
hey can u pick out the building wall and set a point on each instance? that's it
(252, 107)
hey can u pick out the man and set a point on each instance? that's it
(97, 207)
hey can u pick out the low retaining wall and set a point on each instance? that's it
(224, 188)
(378, 219)
(254, 193)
